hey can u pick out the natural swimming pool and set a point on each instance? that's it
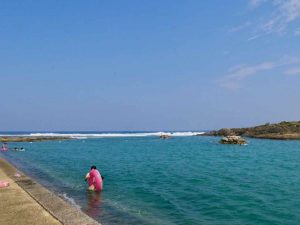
(181, 180)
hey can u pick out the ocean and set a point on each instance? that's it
(182, 180)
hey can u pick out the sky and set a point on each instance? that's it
(142, 65)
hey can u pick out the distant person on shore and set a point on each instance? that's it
(94, 179)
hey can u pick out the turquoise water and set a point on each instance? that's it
(182, 180)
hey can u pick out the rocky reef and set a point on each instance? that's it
(30, 139)
(237, 140)
(164, 136)
(281, 131)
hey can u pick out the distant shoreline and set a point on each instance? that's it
(31, 139)
(35, 137)
(277, 131)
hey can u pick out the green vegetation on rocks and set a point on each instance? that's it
(283, 130)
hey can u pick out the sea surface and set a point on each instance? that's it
(182, 180)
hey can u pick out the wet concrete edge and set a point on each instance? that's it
(56, 206)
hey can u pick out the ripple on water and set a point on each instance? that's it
(190, 180)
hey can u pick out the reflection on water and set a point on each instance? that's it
(93, 207)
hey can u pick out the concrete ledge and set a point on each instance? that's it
(56, 206)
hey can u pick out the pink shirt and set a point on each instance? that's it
(95, 179)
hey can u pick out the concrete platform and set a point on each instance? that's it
(27, 202)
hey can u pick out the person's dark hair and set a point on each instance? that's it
(93, 167)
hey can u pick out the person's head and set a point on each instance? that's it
(93, 167)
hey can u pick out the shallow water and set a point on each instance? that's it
(182, 180)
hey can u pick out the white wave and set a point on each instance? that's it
(70, 200)
(107, 135)
(180, 134)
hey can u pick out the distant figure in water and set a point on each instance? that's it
(94, 179)
(4, 147)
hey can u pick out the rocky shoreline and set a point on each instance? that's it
(278, 131)
(31, 139)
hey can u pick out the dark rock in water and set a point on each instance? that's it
(164, 136)
(237, 140)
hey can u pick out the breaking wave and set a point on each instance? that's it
(109, 135)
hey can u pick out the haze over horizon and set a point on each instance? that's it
(148, 65)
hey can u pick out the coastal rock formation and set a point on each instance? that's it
(282, 131)
(237, 140)
(30, 138)
(164, 136)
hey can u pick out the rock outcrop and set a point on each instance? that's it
(237, 140)
(282, 131)
(30, 138)
(164, 136)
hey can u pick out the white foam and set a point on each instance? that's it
(70, 200)
(181, 134)
(108, 135)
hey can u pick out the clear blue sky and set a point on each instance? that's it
(148, 65)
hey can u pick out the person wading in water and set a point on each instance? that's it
(94, 179)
